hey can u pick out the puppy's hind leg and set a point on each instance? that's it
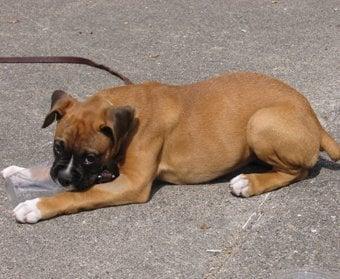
(285, 138)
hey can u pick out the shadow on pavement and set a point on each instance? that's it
(257, 167)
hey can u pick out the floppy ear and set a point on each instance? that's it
(59, 102)
(119, 121)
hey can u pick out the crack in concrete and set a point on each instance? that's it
(229, 251)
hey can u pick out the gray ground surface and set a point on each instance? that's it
(174, 42)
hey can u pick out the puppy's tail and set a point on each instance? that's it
(329, 145)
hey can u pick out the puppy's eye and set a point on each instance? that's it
(90, 159)
(58, 147)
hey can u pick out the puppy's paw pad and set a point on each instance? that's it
(240, 186)
(27, 212)
(10, 170)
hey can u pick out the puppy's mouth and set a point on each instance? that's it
(104, 176)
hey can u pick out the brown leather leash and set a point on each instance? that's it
(63, 60)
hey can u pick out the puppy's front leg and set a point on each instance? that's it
(120, 191)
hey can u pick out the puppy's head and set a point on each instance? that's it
(88, 136)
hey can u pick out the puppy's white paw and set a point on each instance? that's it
(27, 212)
(240, 186)
(10, 170)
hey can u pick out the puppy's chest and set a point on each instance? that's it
(192, 172)
(197, 163)
(176, 174)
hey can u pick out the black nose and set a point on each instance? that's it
(64, 178)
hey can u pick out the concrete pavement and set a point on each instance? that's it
(192, 231)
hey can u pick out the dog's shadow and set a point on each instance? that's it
(255, 167)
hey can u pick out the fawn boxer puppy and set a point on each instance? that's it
(181, 134)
